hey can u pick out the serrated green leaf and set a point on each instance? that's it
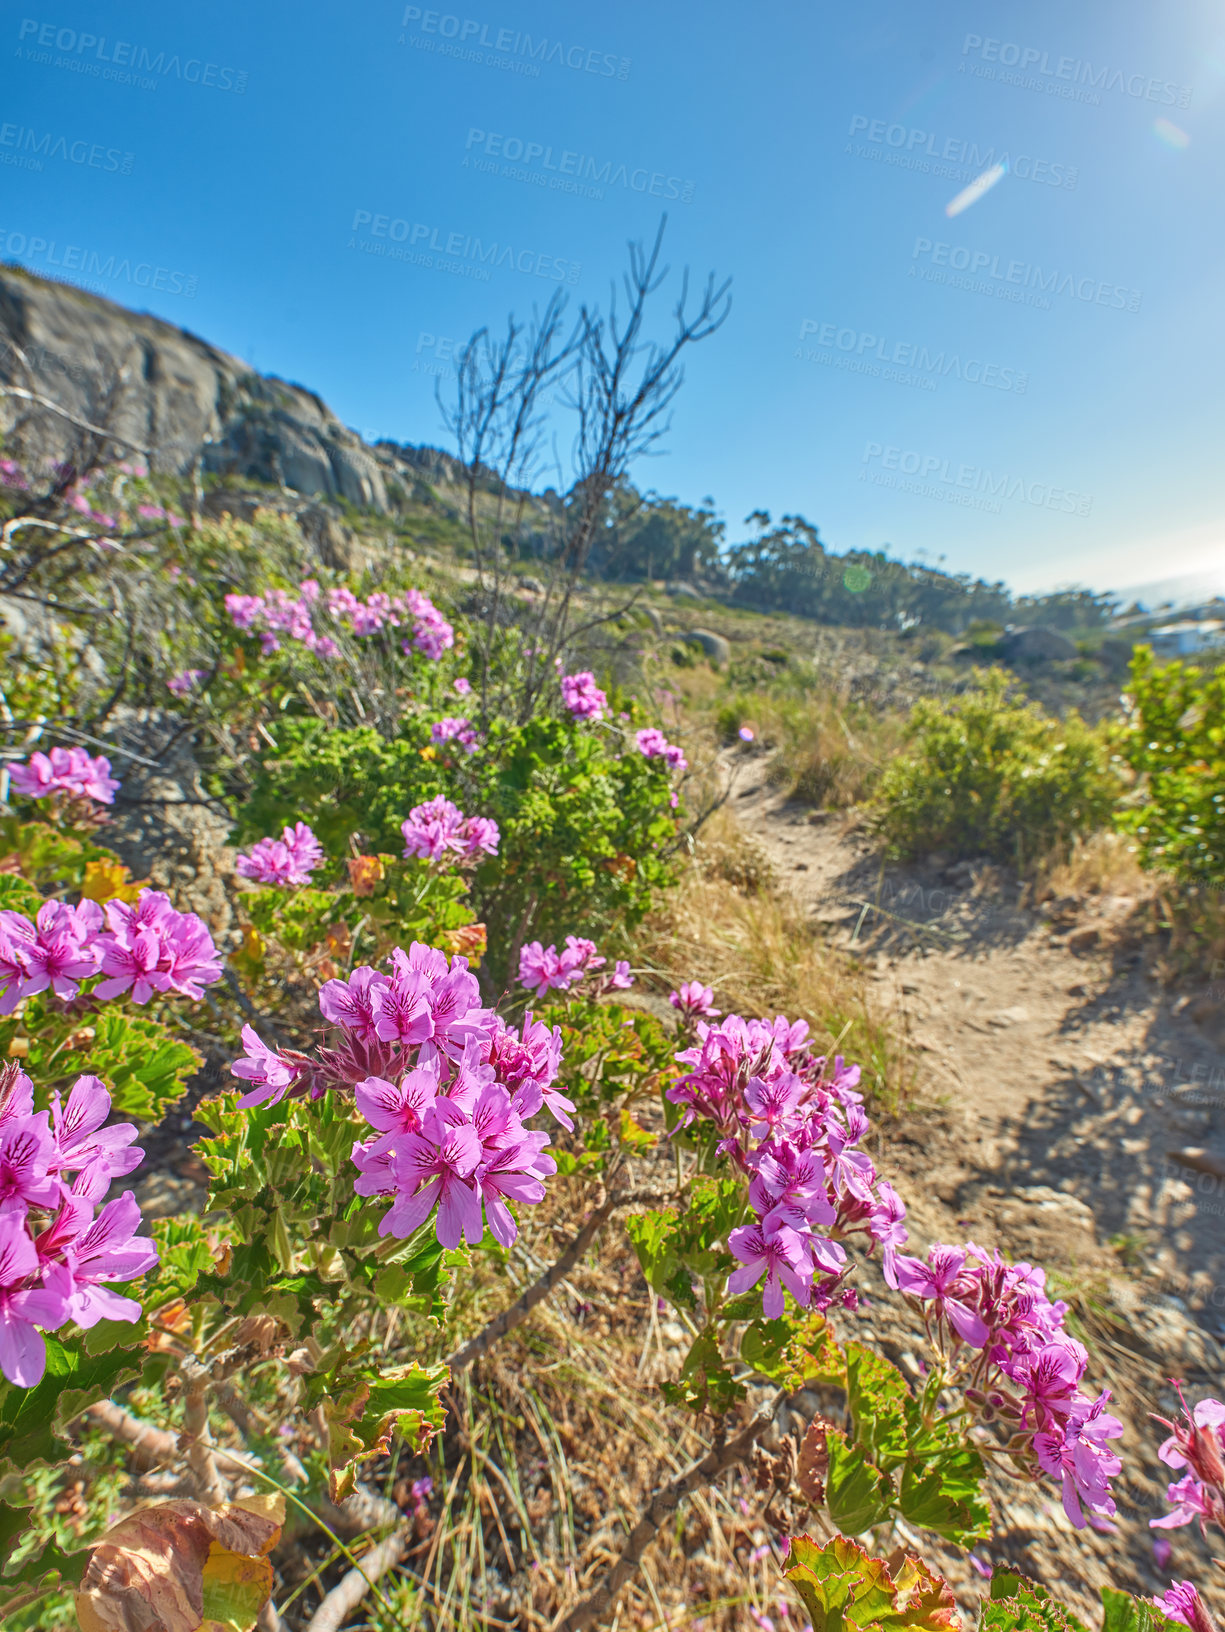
(877, 1395)
(31, 1419)
(857, 1494)
(17, 894)
(369, 1408)
(705, 1381)
(844, 1587)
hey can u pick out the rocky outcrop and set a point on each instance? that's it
(162, 391)
(1036, 645)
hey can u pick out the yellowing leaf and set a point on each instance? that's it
(633, 1134)
(107, 880)
(182, 1567)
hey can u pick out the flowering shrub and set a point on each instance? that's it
(543, 969)
(654, 745)
(584, 832)
(276, 613)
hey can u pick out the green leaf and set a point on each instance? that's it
(877, 1395)
(844, 1587)
(857, 1494)
(32, 1419)
(946, 1495)
(146, 1069)
(705, 1382)
(17, 894)
(367, 1409)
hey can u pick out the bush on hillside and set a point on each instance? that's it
(1174, 741)
(985, 776)
(585, 820)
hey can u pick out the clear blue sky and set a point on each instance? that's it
(814, 149)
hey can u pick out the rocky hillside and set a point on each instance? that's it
(169, 394)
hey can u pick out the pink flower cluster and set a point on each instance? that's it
(145, 948)
(695, 1001)
(156, 512)
(446, 1086)
(56, 1256)
(582, 696)
(291, 859)
(543, 968)
(439, 831)
(1030, 1371)
(454, 728)
(654, 745)
(276, 612)
(68, 771)
(791, 1123)
(1197, 1443)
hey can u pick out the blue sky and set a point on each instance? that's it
(1029, 388)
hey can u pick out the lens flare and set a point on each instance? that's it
(980, 185)
(1171, 134)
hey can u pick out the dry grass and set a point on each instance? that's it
(729, 925)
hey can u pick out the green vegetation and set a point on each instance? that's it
(985, 776)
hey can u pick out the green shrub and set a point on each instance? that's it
(586, 828)
(1175, 742)
(989, 777)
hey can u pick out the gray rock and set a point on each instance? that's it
(166, 392)
(1036, 645)
(679, 588)
(715, 647)
(162, 824)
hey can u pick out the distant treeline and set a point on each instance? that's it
(786, 568)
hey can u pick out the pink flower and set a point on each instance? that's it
(694, 1001)
(149, 947)
(462, 686)
(291, 859)
(17, 941)
(621, 979)
(24, 1304)
(64, 950)
(454, 728)
(268, 1072)
(746, 733)
(942, 1282)
(69, 771)
(83, 1145)
(1074, 1452)
(108, 1249)
(781, 1257)
(435, 1167)
(1183, 1603)
(437, 830)
(654, 745)
(582, 696)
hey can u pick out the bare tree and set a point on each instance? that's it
(618, 385)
